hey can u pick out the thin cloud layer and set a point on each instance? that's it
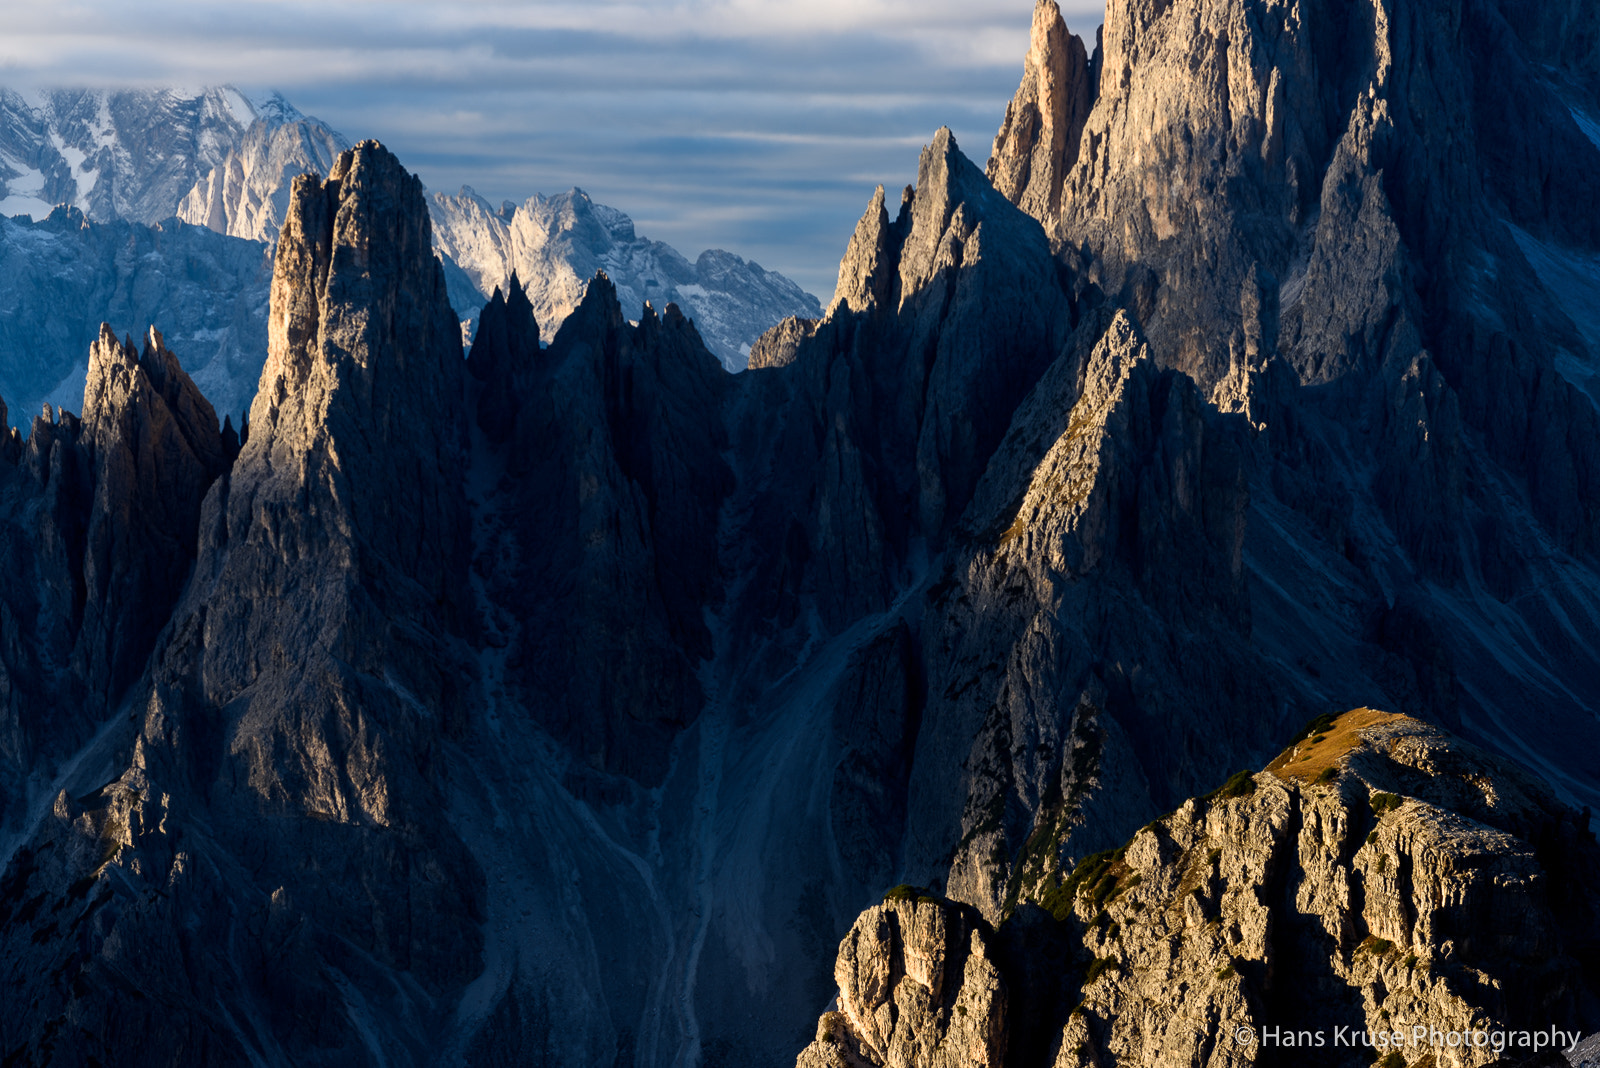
(752, 125)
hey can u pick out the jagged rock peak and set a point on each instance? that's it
(599, 307)
(1038, 140)
(888, 263)
(358, 307)
(118, 372)
(781, 344)
(951, 200)
(502, 358)
(864, 280)
(919, 987)
(507, 330)
(154, 449)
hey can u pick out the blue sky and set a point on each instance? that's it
(751, 125)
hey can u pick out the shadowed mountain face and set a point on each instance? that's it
(1381, 294)
(566, 704)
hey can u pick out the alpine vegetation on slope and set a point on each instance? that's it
(556, 244)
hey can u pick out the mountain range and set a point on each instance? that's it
(554, 245)
(132, 167)
(1151, 612)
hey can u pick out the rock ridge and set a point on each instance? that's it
(1377, 874)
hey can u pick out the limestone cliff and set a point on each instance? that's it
(1405, 880)
(1378, 876)
(246, 194)
(1040, 137)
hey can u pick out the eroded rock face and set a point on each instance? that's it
(1420, 881)
(577, 723)
(155, 448)
(1276, 217)
(103, 529)
(1426, 883)
(918, 986)
(615, 485)
(1039, 140)
(1214, 192)
(348, 491)
(1133, 511)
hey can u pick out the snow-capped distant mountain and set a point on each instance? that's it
(119, 154)
(101, 174)
(246, 193)
(555, 244)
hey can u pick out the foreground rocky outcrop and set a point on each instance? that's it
(1377, 876)
(1421, 883)
(917, 986)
